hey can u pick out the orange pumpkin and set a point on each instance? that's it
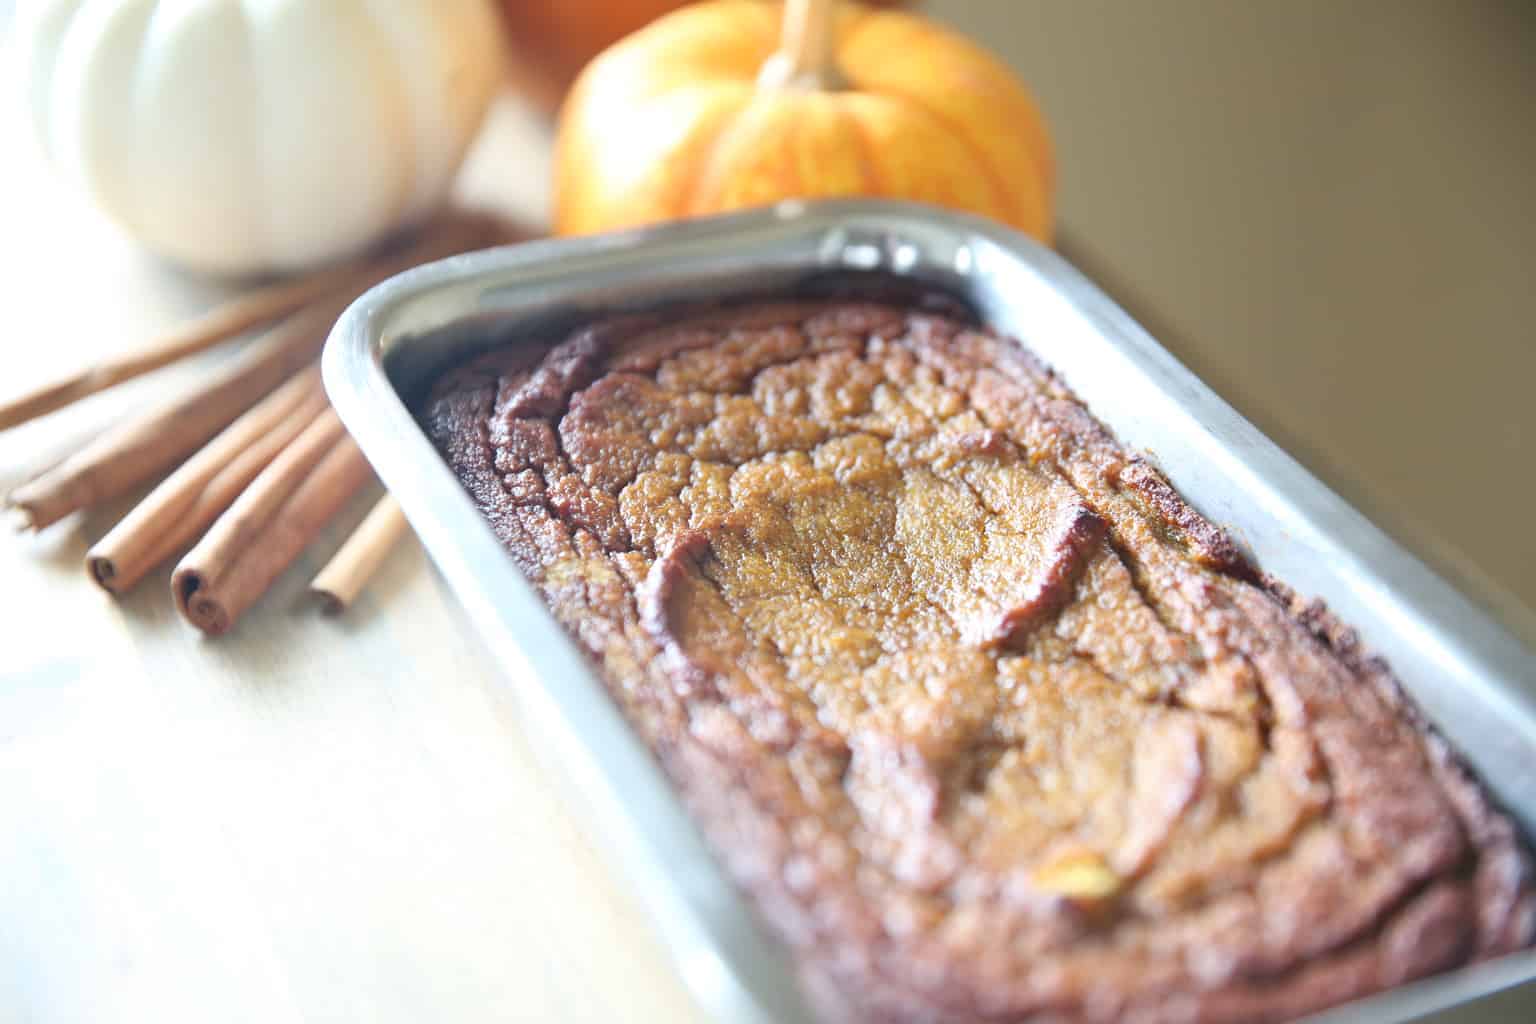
(705, 111)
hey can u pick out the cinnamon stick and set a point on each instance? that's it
(269, 525)
(193, 496)
(350, 569)
(248, 311)
(131, 453)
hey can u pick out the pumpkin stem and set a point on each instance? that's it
(807, 55)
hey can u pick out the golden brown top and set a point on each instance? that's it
(985, 716)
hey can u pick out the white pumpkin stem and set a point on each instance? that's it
(807, 55)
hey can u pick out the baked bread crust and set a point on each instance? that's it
(990, 723)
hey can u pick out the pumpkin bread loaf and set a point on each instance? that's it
(988, 721)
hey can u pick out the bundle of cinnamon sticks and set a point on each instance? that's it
(261, 463)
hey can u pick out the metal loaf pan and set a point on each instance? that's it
(1472, 679)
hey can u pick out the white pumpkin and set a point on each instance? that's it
(243, 135)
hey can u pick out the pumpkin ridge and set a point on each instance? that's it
(867, 148)
(401, 105)
(258, 225)
(1039, 149)
(1041, 156)
(1002, 195)
(712, 139)
(130, 200)
(1034, 211)
(850, 18)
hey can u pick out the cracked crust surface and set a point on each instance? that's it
(990, 723)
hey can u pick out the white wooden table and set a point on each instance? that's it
(308, 820)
